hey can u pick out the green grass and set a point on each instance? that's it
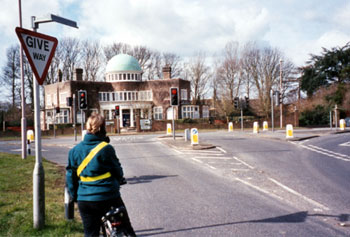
(16, 199)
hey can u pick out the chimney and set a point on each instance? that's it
(167, 72)
(59, 75)
(78, 74)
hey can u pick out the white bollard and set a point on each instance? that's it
(83, 134)
(342, 124)
(30, 135)
(289, 131)
(168, 129)
(230, 127)
(255, 127)
(265, 126)
(194, 136)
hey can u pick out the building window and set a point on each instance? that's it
(124, 76)
(205, 113)
(184, 94)
(48, 100)
(128, 76)
(158, 113)
(190, 111)
(63, 116)
(132, 76)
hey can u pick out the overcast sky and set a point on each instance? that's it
(296, 27)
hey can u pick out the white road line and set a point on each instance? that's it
(201, 151)
(299, 195)
(329, 151)
(211, 167)
(236, 170)
(324, 153)
(213, 157)
(345, 144)
(32, 149)
(219, 148)
(199, 161)
(249, 166)
(259, 189)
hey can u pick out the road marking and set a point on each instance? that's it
(299, 195)
(213, 157)
(329, 151)
(211, 167)
(259, 189)
(324, 153)
(30, 149)
(345, 144)
(238, 170)
(201, 151)
(249, 166)
(219, 148)
(199, 161)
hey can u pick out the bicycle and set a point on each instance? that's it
(112, 222)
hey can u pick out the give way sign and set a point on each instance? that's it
(39, 49)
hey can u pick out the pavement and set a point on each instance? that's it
(298, 135)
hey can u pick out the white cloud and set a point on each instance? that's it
(296, 27)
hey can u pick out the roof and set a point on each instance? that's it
(123, 62)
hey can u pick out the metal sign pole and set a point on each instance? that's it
(23, 120)
(38, 173)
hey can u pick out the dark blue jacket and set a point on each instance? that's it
(104, 161)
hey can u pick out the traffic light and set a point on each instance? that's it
(174, 96)
(117, 110)
(246, 102)
(236, 102)
(82, 98)
(58, 110)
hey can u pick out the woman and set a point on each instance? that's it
(93, 177)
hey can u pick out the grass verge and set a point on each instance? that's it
(16, 199)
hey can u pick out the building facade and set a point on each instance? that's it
(123, 86)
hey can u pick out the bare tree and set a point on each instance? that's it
(70, 56)
(91, 59)
(11, 74)
(262, 67)
(229, 72)
(111, 50)
(199, 74)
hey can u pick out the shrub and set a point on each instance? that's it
(319, 115)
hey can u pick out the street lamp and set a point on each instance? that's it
(281, 104)
(38, 173)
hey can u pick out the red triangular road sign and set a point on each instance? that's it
(39, 49)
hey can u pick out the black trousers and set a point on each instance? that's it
(92, 212)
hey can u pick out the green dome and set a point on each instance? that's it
(123, 62)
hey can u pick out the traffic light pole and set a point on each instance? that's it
(242, 127)
(82, 122)
(173, 122)
(272, 118)
(54, 123)
(74, 119)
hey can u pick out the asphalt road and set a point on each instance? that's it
(246, 187)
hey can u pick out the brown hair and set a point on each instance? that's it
(95, 123)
